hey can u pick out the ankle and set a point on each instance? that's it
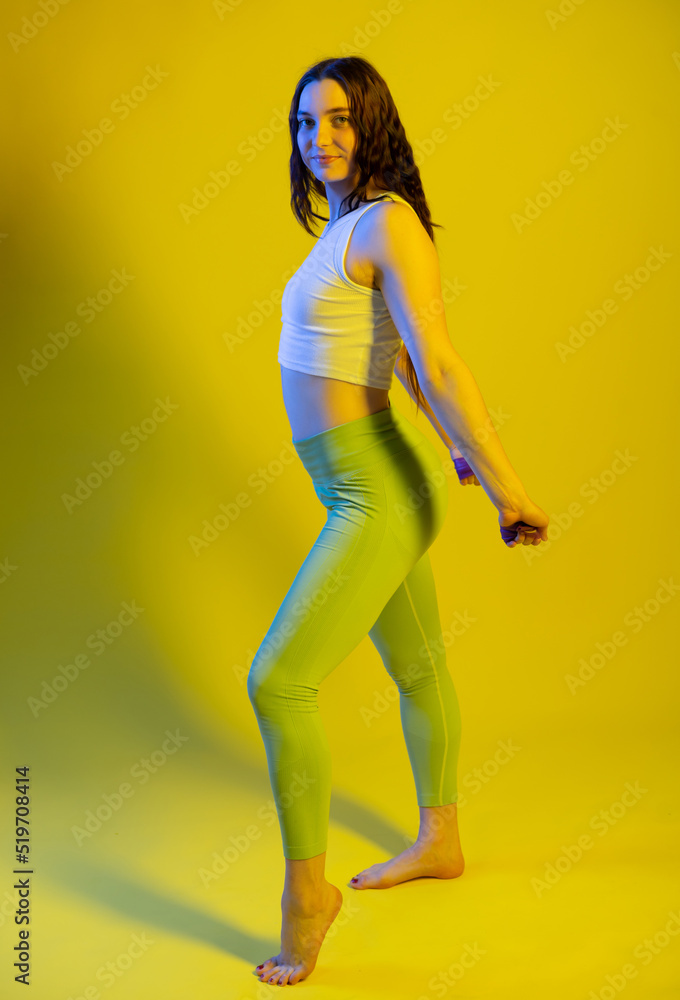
(305, 893)
(436, 838)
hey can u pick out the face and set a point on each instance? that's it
(325, 128)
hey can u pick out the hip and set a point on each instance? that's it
(380, 467)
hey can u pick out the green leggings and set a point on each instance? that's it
(368, 572)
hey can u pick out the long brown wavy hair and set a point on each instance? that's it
(383, 153)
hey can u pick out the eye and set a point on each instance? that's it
(342, 118)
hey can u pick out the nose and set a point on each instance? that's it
(320, 138)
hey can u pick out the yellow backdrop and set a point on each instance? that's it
(153, 517)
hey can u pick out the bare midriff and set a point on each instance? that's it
(315, 403)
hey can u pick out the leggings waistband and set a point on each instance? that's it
(356, 444)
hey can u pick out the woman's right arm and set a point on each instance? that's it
(454, 452)
(457, 401)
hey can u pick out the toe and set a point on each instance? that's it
(285, 975)
(295, 976)
(273, 975)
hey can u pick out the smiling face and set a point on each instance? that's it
(325, 128)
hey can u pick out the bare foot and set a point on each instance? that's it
(303, 928)
(437, 859)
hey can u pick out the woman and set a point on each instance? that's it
(370, 283)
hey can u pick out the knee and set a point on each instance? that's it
(405, 673)
(415, 676)
(273, 688)
(267, 684)
(411, 665)
(260, 686)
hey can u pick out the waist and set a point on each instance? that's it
(316, 402)
(356, 444)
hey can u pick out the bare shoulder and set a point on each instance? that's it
(395, 241)
(396, 215)
(390, 227)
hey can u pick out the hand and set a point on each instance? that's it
(466, 476)
(525, 524)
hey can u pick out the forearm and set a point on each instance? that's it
(459, 407)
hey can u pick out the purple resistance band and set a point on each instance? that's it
(462, 468)
(507, 534)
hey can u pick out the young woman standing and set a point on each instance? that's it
(366, 302)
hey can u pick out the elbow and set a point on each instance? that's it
(439, 372)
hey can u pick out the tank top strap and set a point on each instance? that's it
(343, 232)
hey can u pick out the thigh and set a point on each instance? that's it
(417, 495)
(380, 522)
(345, 580)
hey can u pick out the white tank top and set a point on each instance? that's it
(332, 325)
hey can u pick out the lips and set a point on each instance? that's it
(325, 159)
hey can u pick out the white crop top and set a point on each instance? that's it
(332, 325)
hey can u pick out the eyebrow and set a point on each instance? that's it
(326, 112)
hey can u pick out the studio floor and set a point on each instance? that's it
(569, 891)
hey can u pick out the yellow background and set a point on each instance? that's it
(198, 324)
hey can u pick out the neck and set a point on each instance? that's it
(334, 196)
